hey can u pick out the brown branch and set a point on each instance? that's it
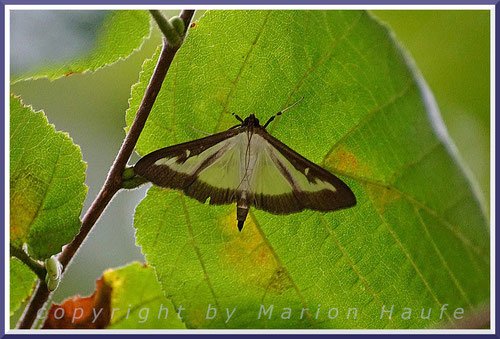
(114, 179)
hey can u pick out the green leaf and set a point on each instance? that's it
(46, 183)
(136, 292)
(22, 282)
(121, 34)
(417, 237)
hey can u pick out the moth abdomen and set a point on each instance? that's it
(241, 215)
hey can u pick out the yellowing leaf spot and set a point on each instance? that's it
(23, 210)
(279, 282)
(248, 256)
(381, 197)
(197, 317)
(112, 278)
(344, 161)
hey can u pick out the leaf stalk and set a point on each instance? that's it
(35, 266)
(166, 28)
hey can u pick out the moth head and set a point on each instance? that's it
(251, 120)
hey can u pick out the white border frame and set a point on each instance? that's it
(491, 8)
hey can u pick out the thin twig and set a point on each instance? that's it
(114, 180)
(32, 264)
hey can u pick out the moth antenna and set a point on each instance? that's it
(237, 117)
(199, 131)
(292, 105)
(282, 111)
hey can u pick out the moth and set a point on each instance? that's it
(248, 166)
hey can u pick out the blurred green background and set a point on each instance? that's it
(451, 49)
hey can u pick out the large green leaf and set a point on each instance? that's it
(122, 33)
(46, 183)
(417, 237)
(22, 283)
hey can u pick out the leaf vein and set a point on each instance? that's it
(238, 76)
(415, 162)
(316, 65)
(198, 253)
(353, 266)
(438, 252)
(278, 261)
(430, 210)
(407, 255)
(39, 209)
(367, 117)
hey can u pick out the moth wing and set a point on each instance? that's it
(203, 168)
(285, 182)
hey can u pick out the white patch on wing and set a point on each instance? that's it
(300, 178)
(264, 177)
(192, 163)
(225, 171)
